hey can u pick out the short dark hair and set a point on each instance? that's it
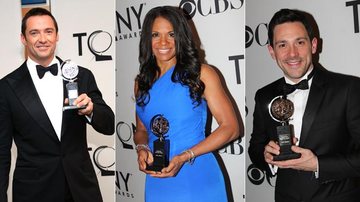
(288, 15)
(37, 12)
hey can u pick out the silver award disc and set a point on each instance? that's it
(281, 109)
(69, 70)
(159, 125)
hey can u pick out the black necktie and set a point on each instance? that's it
(42, 70)
(302, 85)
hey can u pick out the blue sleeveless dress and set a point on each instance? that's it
(200, 182)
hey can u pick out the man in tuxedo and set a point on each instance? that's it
(53, 163)
(326, 119)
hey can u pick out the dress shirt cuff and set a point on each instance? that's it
(273, 169)
(316, 173)
(89, 118)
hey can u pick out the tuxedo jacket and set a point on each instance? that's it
(44, 163)
(330, 129)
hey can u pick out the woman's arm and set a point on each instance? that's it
(221, 108)
(145, 156)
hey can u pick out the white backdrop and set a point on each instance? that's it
(11, 52)
(340, 53)
(220, 26)
(90, 21)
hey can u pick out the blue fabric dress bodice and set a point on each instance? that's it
(202, 181)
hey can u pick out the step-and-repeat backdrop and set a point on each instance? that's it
(338, 23)
(86, 36)
(11, 52)
(220, 26)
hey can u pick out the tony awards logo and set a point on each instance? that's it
(281, 109)
(159, 127)
(69, 72)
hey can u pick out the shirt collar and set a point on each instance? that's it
(287, 80)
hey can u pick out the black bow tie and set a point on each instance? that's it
(42, 70)
(302, 85)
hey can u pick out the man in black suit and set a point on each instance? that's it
(326, 120)
(53, 163)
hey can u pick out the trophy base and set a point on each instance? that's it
(282, 157)
(71, 107)
(154, 168)
(160, 154)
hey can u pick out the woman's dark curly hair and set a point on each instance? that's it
(188, 65)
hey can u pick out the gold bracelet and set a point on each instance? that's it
(192, 156)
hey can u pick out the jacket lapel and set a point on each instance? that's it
(25, 89)
(316, 95)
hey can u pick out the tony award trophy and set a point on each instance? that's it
(69, 72)
(281, 109)
(160, 126)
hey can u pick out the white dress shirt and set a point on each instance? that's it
(299, 98)
(51, 93)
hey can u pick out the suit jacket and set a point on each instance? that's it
(330, 129)
(44, 164)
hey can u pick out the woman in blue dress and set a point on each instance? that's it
(172, 83)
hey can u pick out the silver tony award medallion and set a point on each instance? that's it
(160, 126)
(69, 71)
(281, 109)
